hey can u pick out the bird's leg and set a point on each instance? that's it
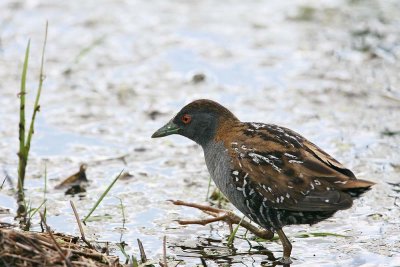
(287, 247)
(223, 215)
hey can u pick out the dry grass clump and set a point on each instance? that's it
(21, 248)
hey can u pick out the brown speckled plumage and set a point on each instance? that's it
(272, 174)
(291, 166)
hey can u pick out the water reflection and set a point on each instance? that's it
(216, 251)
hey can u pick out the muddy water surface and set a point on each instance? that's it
(118, 70)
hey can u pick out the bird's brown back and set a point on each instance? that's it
(289, 171)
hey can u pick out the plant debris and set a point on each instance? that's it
(21, 248)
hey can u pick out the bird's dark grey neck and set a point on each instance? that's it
(204, 138)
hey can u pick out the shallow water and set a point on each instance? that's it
(117, 70)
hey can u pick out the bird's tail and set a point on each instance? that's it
(355, 188)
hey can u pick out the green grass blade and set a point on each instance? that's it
(101, 197)
(208, 188)
(36, 107)
(45, 181)
(44, 213)
(34, 211)
(123, 217)
(122, 211)
(134, 261)
(319, 234)
(22, 93)
(89, 48)
(233, 234)
(259, 239)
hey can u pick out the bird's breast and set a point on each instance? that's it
(219, 165)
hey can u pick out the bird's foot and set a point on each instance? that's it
(222, 215)
(285, 260)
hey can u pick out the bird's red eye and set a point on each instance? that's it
(186, 118)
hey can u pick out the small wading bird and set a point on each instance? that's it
(270, 173)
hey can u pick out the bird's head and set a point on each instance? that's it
(198, 121)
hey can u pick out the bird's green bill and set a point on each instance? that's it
(167, 129)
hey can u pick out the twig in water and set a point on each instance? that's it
(203, 261)
(44, 217)
(143, 257)
(164, 263)
(121, 158)
(5, 178)
(9, 179)
(101, 197)
(80, 226)
(57, 246)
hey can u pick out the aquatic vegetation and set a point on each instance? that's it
(102, 197)
(26, 138)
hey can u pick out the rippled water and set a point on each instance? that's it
(118, 70)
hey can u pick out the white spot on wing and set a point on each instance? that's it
(257, 125)
(295, 161)
(290, 156)
(257, 158)
(340, 182)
